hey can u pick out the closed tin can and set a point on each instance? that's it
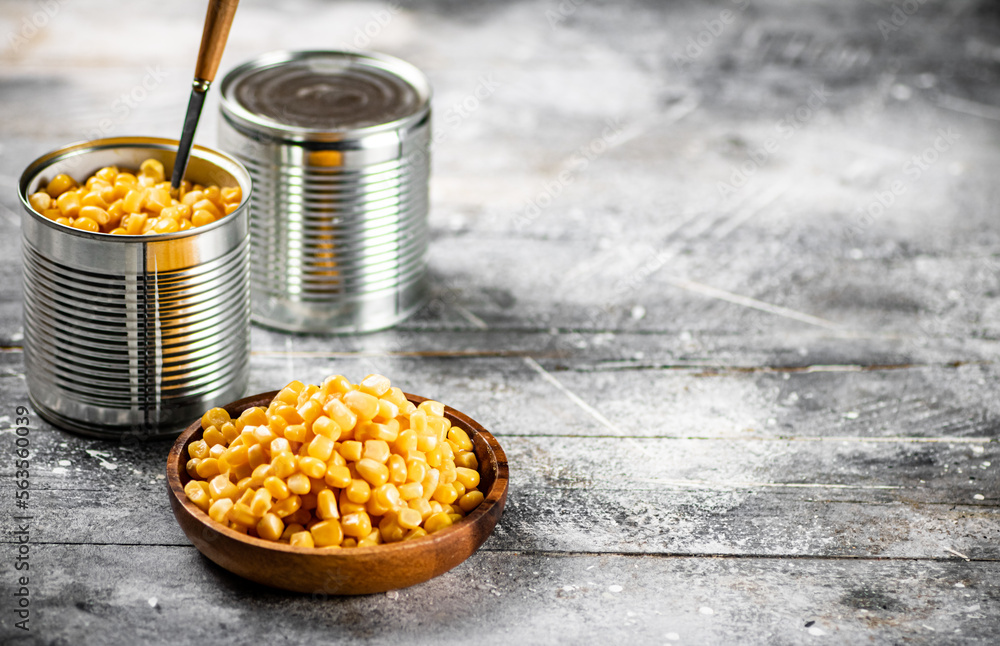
(131, 337)
(337, 145)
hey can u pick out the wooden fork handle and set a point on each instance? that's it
(218, 20)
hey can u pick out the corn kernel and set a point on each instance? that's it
(351, 450)
(408, 518)
(298, 483)
(327, 532)
(219, 511)
(261, 502)
(301, 539)
(356, 525)
(40, 201)
(197, 495)
(295, 432)
(397, 469)
(445, 494)
(358, 491)
(222, 487)
(287, 507)
(321, 447)
(208, 468)
(363, 405)
(284, 464)
(377, 450)
(326, 505)
(373, 472)
(270, 527)
(437, 522)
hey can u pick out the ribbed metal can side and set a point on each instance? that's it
(130, 337)
(339, 222)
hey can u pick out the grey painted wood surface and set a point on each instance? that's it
(746, 399)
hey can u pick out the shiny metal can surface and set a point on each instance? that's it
(337, 144)
(130, 337)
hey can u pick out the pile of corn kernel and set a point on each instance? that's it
(337, 465)
(126, 203)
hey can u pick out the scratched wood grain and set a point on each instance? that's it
(724, 285)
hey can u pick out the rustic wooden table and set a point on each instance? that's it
(721, 277)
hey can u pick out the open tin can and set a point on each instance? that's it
(134, 336)
(337, 144)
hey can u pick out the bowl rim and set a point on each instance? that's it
(496, 494)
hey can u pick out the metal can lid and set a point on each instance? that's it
(314, 94)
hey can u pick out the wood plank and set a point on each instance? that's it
(128, 595)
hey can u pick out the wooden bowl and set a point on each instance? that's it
(360, 570)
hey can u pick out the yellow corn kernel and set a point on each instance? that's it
(363, 405)
(277, 488)
(239, 529)
(192, 467)
(386, 411)
(237, 456)
(327, 532)
(191, 197)
(296, 432)
(356, 525)
(372, 471)
(397, 469)
(219, 511)
(468, 477)
(437, 522)
(279, 445)
(197, 495)
(270, 527)
(213, 436)
(340, 413)
(256, 456)
(327, 428)
(134, 223)
(152, 168)
(418, 532)
(298, 483)
(86, 224)
(408, 518)
(241, 515)
(134, 200)
(301, 539)
(421, 505)
(40, 201)
(448, 472)
(377, 450)
(290, 528)
(426, 442)
(459, 488)
(246, 496)
(310, 411)
(376, 385)
(435, 456)
(93, 198)
(231, 194)
(337, 476)
(387, 432)
(416, 471)
(410, 490)
(312, 467)
(287, 507)
(345, 505)
(59, 185)
(216, 451)
(253, 416)
(321, 447)
(326, 505)
(431, 483)
(432, 408)
(264, 435)
(337, 384)
(467, 460)
(260, 473)
(445, 494)
(405, 441)
(229, 431)
(207, 206)
(208, 468)
(284, 464)
(261, 502)
(460, 438)
(470, 500)
(166, 225)
(387, 496)
(390, 531)
(351, 450)
(222, 487)
(198, 449)
(242, 485)
(358, 491)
